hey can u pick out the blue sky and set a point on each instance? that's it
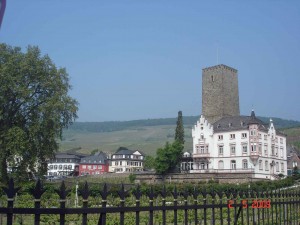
(141, 59)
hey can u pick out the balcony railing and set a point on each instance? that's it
(201, 155)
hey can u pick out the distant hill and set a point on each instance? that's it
(188, 121)
(146, 135)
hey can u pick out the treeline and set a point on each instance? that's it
(188, 121)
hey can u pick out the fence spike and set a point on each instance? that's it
(137, 193)
(38, 190)
(220, 194)
(104, 193)
(163, 192)
(228, 193)
(241, 194)
(175, 193)
(122, 193)
(11, 190)
(195, 193)
(85, 192)
(185, 193)
(151, 193)
(62, 191)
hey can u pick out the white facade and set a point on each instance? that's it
(63, 165)
(125, 161)
(239, 144)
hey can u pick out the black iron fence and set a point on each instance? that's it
(163, 207)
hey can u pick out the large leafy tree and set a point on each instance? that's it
(168, 158)
(149, 162)
(179, 132)
(35, 107)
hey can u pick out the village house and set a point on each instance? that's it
(126, 161)
(64, 164)
(94, 165)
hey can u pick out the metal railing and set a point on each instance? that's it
(173, 207)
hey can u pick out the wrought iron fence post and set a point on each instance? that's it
(122, 195)
(204, 194)
(104, 193)
(163, 194)
(186, 195)
(175, 196)
(151, 197)
(85, 192)
(220, 195)
(195, 197)
(228, 194)
(38, 191)
(137, 193)
(213, 196)
(62, 192)
(10, 205)
(10, 193)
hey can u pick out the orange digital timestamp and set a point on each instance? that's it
(255, 204)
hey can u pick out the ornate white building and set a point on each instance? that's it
(126, 161)
(239, 144)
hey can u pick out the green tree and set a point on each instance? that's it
(94, 151)
(149, 162)
(179, 132)
(35, 107)
(168, 158)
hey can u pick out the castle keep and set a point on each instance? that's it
(220, 95)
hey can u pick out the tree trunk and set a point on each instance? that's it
(3, 170)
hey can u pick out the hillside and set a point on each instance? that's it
(187, 120)
(146, 135)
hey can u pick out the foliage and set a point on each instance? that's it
(93, 152)
(35, 107)
(132, 177)
(168, 158)
(149, 162)
(179, 132)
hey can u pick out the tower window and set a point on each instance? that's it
(212, 78)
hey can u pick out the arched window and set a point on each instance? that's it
(233, 164)
(221, 165)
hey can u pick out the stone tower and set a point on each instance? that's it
(220, 94)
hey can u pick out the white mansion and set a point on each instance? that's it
(239, 144)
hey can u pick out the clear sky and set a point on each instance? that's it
(141, 59)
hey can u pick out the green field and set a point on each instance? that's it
(147, 139)
(293, 136)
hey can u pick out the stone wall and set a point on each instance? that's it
(152, 178)
(220, 96)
